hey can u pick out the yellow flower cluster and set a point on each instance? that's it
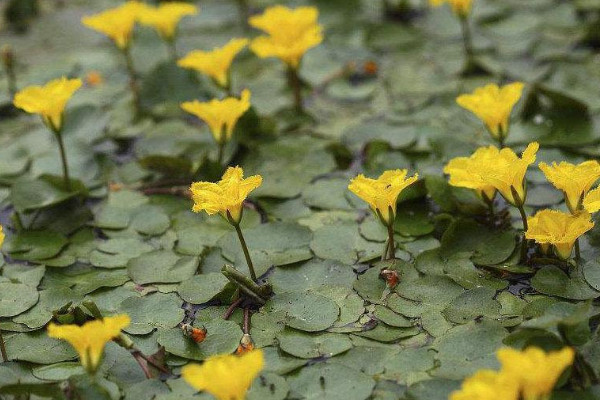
(226, 377)
(490, 169)
(530, 374)
(118, 23)
(90, 339)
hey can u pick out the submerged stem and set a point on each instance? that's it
(3, 348)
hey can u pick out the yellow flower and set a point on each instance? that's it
(382, 193)
(2, 236)
(574, 180)
(488, 385)
(215, 63)
(90, 338)
(464, 172)
(505, 171)
(462, 8)
(225, 197)
(291, 33)
(559, 229)
(166, 16)
(535, 370)
(493, 105)
(49, 100)
(227, 377)
(591, 202)
(220, 115)
(117, 23)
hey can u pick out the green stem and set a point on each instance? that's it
(3, 348)
(577, 250)
(221, 152)
(525, 227)
(63, 158)
(244, 9)
(133, 81)
(392, 245)
(501, 142)
(18, 221)
(467, 39)
(296, 86)
(246, 252)
(11, 80)
(172, 45)
(386, 250)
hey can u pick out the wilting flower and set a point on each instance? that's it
(291, 33)
(227, 377)
(166, 17)
(506, 172)
(493, 105)
(116, 23)
(559, 229)
(220, 115)
(574, 180)
(49, 100)
(382, 193)
(225, 197)
(591, 202)
(90, 338)
(93, 78)
(465, 172)
(488, 385)
(215, 63)
(535, 370)
(462, 8)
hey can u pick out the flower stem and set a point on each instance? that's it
(63, 158)
(221, 152)
(246, 252)
(244, 10)
(18, 221)
(577, 250)
(3, 348)
(296, 86)
(247, 317)
(133, 81)
(392, 246)
(525, 227)
(467, 40)
(172, 49)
